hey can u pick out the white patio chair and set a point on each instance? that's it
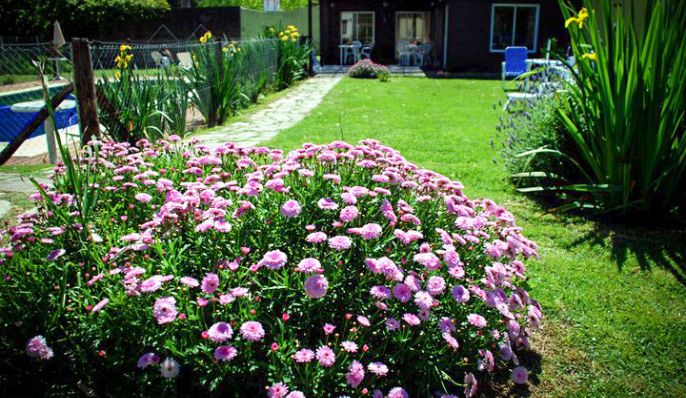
(405, 53)
(185, 60)
(366, 51)
(357, 54)
(157, 58)
(423, 54)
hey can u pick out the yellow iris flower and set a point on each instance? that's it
(579, 19)
(591, 56)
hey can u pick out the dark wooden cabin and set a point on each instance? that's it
(465, 35)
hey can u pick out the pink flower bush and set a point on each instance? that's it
(314, 265)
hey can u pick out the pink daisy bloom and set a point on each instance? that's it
(277, 390)
(291, 208)
(326, 356)
(329, 328)
(392, 324)
(252, 331)
(452, 342)
(460, 294)
(220, 332)
(99, 306)
(147, 359)
(37, 348)
(378, 368)
(349, 213)
(423, 300)
(170, 368)
(309, 265)
(340, 243)
(350, 346)
(355, 374)
(164, 310)
(402, 292)
(520, 375)
(364, 321)
(316, 237)
(411, 319)
(327, 204)
(398, 392)
(190, 282)
(209, 283)
(225, 353)
(143, 197)
(477, 320)
(471, 386)
(304, 356)
(435, 285)
(274, 259)
(316, 286)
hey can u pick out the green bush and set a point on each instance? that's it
(293, 55)
(624, 110)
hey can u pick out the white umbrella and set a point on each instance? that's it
(57, 36)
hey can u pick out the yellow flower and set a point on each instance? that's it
(129, 58)
(124, 47)
(591, 56)
(579, 19)
(117, 75)
(284, 38)
(295, 35)
(272, 30)
(203, 40)
(287, 32)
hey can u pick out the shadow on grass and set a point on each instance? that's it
(501, 384)
(650, 246)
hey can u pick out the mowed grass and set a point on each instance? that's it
(615, 316)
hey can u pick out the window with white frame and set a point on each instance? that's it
(357, 26)
(514, 25)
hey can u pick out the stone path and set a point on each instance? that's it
(280, 115)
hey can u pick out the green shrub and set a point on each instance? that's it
(293, 55)
(624, 111)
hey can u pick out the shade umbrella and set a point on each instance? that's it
(57, 36)
(57, 42)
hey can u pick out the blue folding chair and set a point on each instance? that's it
(515, 62)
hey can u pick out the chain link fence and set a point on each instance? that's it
(142, 89)
(21, 96)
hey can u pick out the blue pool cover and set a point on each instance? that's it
(12, 123)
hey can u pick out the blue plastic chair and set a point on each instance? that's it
(515, 62)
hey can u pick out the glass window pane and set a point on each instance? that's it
(347, 19)
(525, 27)
(502, 27)
(365, 27)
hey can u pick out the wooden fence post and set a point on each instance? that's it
(84, 83)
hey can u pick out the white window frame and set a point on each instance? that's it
(398, 14)
(537, 7)
(355, 13)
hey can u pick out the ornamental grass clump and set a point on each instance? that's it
(330, 270)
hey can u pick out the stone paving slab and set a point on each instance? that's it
(280, 115)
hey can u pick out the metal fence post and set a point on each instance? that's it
(84, 83)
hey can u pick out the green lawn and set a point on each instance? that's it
(616, 314)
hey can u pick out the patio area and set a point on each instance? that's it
(398, 70)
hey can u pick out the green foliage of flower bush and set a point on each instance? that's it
(294, 55)
(332, 269)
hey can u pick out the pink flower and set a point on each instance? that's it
(316, 237)
(291, 208)
(470, 385)
(398, 392)
(252, 331)
(99, 306)
(277, 390)
(190, 282)
(316, 286)
(452, 342)
(151, 284)
(350, 346)
(367, 231)
(460, 294)
(304, 356)
(164, 310)
(428, 260)
(340, 243)
(392, 324)
(411, 319)
(520, 375)
(380, 292)
(209, 283)
(220, 332)
(435, 285)
(327, 204)
(37, 348)
(378, 368)
(143, 197)
(225, 353)
(364, 321)
(329, 328)
(326, 356)
(274, 259)
(355, 374)
(349, 213)
(309, 265)
(147, 359)
(477, 320)
(402, 292)
(423, 300)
